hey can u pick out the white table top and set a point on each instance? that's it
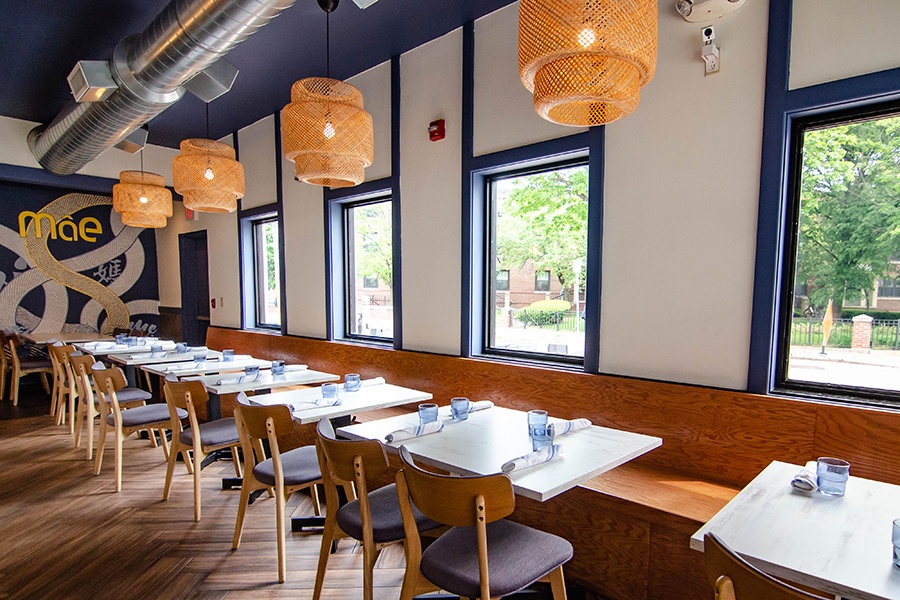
(104, 350)
(840, 545)
(147, 358)
(205, 368)
(369, 397)
(488, 438)
(66, 338)
(266, 380)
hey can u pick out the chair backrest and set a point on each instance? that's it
(4, 355)
(733, 578)
(342, 455)
(453, 500)
(186, 395)
(13, 341)
(252, 424)
(81, 371)
(59, 356)
(108, 382)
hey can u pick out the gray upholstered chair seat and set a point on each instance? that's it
(132, 394)
(517, 557)
(387, 524)
(35, 363)
(143, 415)
(300, 466)
(214, 433)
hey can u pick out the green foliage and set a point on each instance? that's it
(544, 312)
(549, 305)
(542, 219)
(850, 209)
(878, 315)
(373, 241)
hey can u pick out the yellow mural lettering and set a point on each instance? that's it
(67, 223)
(90, 234)
(36, 218)
(86, 229)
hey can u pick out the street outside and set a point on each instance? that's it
(879, 369)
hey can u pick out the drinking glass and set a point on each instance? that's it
(130, 341)
(227, 355)
(895, 538)
(537, 429)
(120, 338)
(181, 348)
(199, 357)
(428, 413)
(156, 349)
(277, 367)
(329, 391)
(832, 475)
(251, 370)
(459, 408)
(351, 382)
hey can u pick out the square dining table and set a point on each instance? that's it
(129, 361)
(69, 337)
(111, 348)
(487, 439)
(837, 544)
(266, 380)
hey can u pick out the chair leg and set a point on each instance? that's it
(170, 469)
(72, 397)
(90, 413)
(101, 444)
(557, 583)
(279, 523)
(3, 373)
(198, 458)
(78, 419)
(324, 553)
(120, 442)
(16, 376)
(188, 461)
(242, 508)
(163, 442)
(370, 555)
(314, 492)
(45, 382)
(236, 459)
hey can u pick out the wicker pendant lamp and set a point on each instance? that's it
(142, 198)
(207, 175)
(324, 130)
(586, 60)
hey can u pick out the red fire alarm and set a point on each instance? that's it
(188, 214)
(436, 130)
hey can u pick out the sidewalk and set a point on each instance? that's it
(840, 366)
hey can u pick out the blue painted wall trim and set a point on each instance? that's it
(279, 201)
(467, 302)
(329, 262)
(594, 274)
(396, 205)
(32, 176)
(235, 142)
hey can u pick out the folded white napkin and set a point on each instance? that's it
(58, 344)
(238, 379)
(805, 481)
(151, 355)
(371, 382)
(414, 432)
(564, 427)
(194, 349)
(242, 357)
(480, 405)
(105, 346)
(533, 458)
(182, 366)
(98, 366)
(292, 368)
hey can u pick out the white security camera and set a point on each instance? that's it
(708, 34)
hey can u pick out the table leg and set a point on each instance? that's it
(130, 375)
(213, 407)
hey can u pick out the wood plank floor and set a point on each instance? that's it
(64, 533)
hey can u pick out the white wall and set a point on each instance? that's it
(256, 145)
(835, 39)
(504, 109)
(681, 196)
(431, 77)
(375, 85)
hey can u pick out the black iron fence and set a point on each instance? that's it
(808, 332)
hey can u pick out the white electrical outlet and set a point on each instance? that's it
(710, 55)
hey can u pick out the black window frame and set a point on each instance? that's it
(349, 282)
(489, 258)
(259, 296)
(790, 247)
(505, 286)
(541, 283)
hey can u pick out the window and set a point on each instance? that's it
(368, 269)
(845, 234)
(536, 230)
(502, 280)
(267, 272)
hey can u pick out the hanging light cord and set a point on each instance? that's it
(207, 120)
(328, 45)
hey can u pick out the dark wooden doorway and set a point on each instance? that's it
(194, 255)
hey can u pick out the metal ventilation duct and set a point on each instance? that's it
(150, 68)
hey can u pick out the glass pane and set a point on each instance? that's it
(268, 282)
(845, 329)
(539, 236)
(370, 270)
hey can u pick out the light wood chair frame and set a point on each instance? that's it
(107, 382)
(184, 395)
(18, 371)
(458, 502)
(65, 390)
(348, 464)
(733, 578)
(255, 424)
(5, 367)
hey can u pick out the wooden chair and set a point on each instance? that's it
(108, 382)
(287, 473)
(214, 435)
(373, 517)
(733, 578)
(64, 387)
(5, 363)
(457, 561)
(81, 370)
(26, 366)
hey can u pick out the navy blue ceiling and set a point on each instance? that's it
(41, 40)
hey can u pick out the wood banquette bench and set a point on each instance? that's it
(631, 526)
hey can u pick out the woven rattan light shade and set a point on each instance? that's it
(156, 205)
(207, 176)
(586, 60)
(326, 132)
